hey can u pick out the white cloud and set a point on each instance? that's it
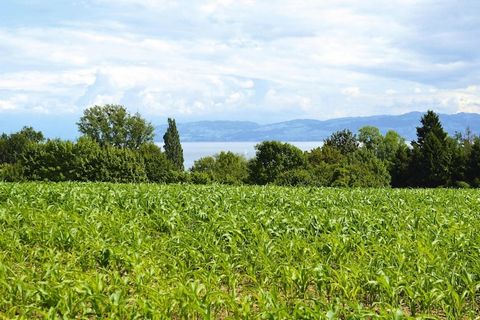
(351, 91)
(247, 59)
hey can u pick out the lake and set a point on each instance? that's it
(195, 150)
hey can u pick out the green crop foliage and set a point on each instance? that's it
(141, 251)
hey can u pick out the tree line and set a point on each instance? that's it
(116, 146)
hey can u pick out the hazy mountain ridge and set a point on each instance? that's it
(65, 127)
(315, 130)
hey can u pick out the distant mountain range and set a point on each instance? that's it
(315, 130)
(64, 127)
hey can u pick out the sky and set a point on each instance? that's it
(262, 61)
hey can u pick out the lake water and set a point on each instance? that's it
(195, 150)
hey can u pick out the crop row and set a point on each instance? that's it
(179, 251)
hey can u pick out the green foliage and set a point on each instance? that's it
(117, 147)
(120, 165)
(272, 159)
(391, 143)
(51, 161)
(178, 177)
(370, 138)
(461, 185)
(400, 168)
(430, 125)
(172, 146)
(325, 154)
(361, 169)
(344, 141)
(296, 177)
(14, 145)
(85, 160)
(112, 125)
(143, 251)
(11, 172)
(473, 168)
(157, 166)
(431, 158)
(225, 167)
(200, 178)
(384, 147)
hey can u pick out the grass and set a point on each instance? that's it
(75, 250)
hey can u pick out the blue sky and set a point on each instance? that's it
(262, 61)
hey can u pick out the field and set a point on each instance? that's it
(152, 251)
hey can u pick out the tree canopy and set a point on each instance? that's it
(112, 125)
(431, 156)
(172, 146)
(273, 158)
(344, 141)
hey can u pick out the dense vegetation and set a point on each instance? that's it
(183, 251)
(118, 147)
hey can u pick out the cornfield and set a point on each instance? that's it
(73, 250)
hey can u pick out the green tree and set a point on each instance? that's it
(460, 147)
(157, 166)
(400, 168)
(272, 159)
(323, 162)
(431, 157)
(120, 165)
(112, 125)
(297, 177)
(225, 167)
(88, 160)
(325, 154)
(51, 161)
(345, 141)
(14, 145)
(370, 138)
(11, 172)
(58, 160)
(389, 146)
(361, 169)
(172, 146)
(473, 169)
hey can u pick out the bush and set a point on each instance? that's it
(361, 169)
(58, 160)
(274, 158)
(461, 185)
(297, 177)
(157, 167)
(200, 178)
(225, 168)
(11, 172)
(178, 177)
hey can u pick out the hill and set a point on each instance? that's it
(314, 130)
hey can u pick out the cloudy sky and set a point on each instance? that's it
(263, 61)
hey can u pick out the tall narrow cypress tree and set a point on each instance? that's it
(173, 148)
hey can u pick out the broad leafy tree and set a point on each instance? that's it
(14, 145)
(225, 167)
(370, 138)
(112, 125)
(344, 141)
(272, 159)
(390, 145)
(157, 167)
